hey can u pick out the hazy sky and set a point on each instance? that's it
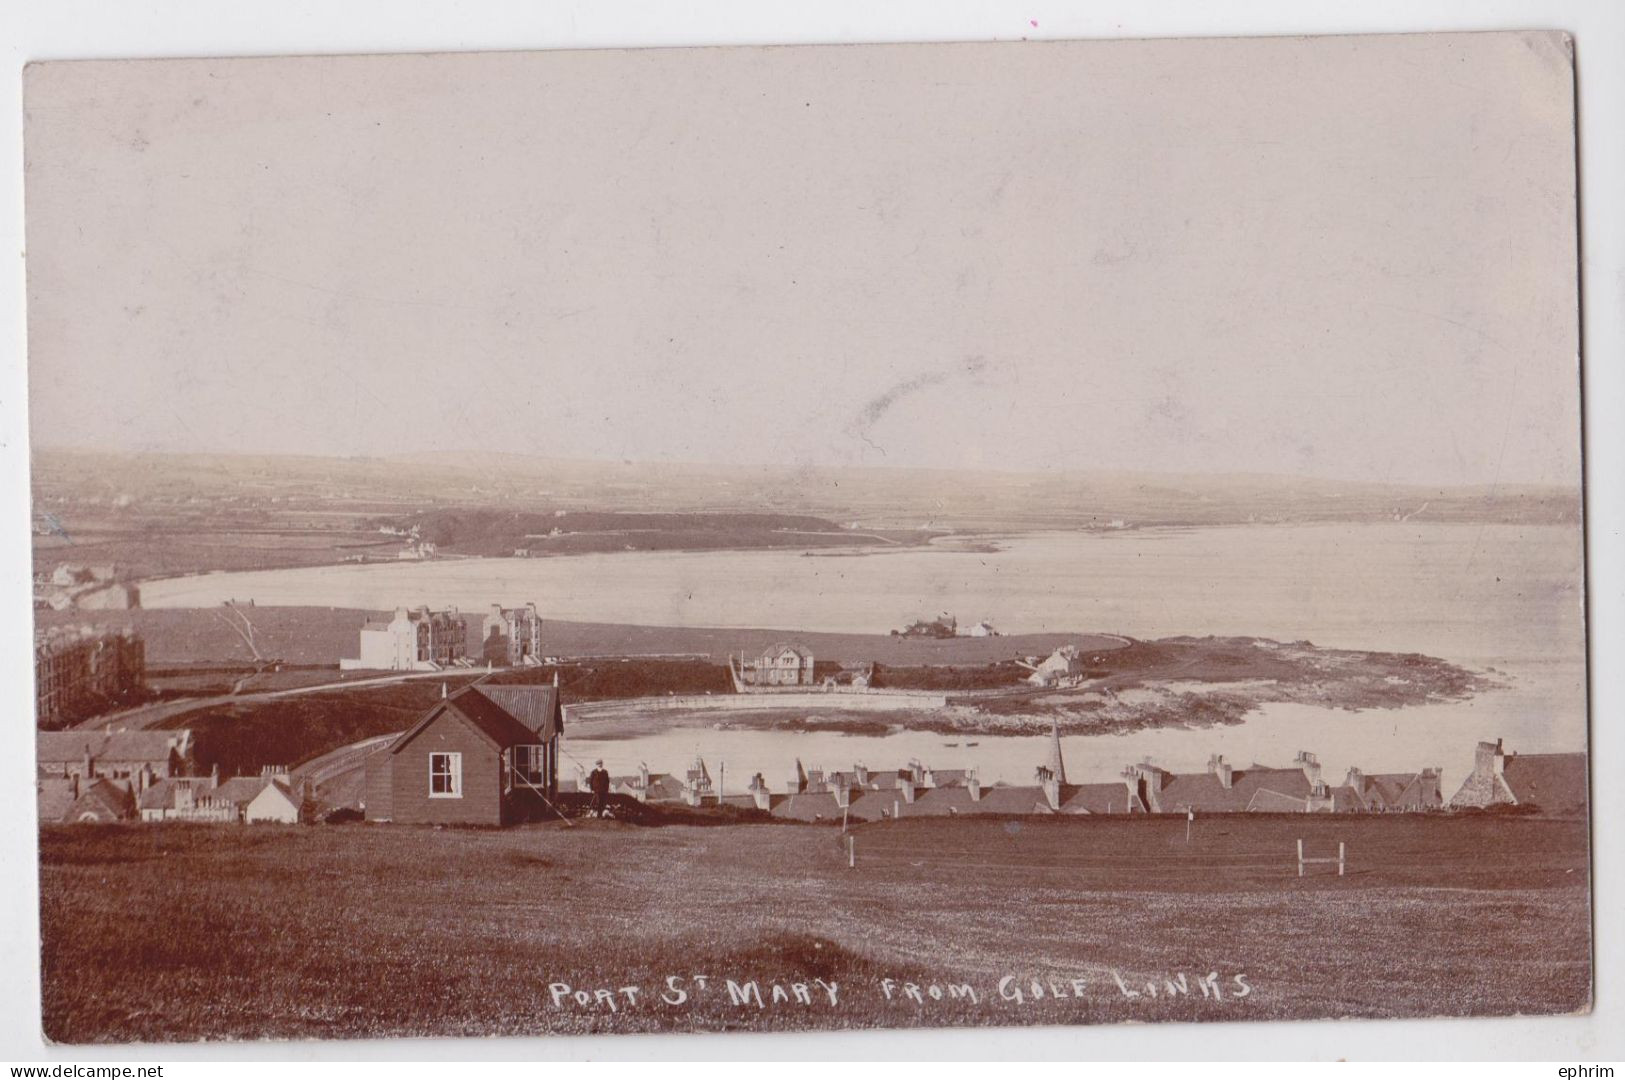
(1349, 257)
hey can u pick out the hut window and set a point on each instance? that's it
(445, 776)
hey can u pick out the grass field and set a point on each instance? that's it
(160, 933)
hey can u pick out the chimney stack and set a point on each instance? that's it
(905, 785)
(1217, 766)
(758, 790)
(861, 774)
(973, 784)
(1152, 774)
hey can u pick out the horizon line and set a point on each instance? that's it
(1576, 489)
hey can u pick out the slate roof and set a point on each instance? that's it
(1025, 799)
(1269, 801)
(1382, 791)
(663, 787)
(1203, 791)
(1553, 782)
(241, 790)
(55, 796)
(537, 707)
(942, 800)
(161, 794)
(67, 747)
(106, 799)
(479, 712)
(814, 805)
(1094, 799)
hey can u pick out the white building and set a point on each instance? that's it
(277, 802)
(416, 640)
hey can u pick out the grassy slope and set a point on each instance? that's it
(242, 737)
(177, 932)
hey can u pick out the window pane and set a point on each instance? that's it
(445, 774)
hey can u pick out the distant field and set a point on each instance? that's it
(147, 550)
(488, 531)
(295, 635)
(158, 933)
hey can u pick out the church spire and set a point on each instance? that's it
(1056, 765)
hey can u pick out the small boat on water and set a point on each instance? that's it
(950, 744)
(973, 744)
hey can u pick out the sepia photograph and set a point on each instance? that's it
(808, 538)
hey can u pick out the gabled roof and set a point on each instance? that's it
(943, 800)
(484, 716)
(1345, 800)
(241, 790)
(1552, 782)
(1094, 799)
(662, 786)
(283, 789)
(1025, 799)
(1203, 791)
(1397, 790)
(105, 799)
(1268, 801)
(808, 806)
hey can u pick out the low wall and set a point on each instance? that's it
(809, 699)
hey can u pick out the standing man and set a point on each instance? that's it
(598, 784)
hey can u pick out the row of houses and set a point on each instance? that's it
(105, 776)
(1555, 783)
(80, 670)
(421, 639)
(490, 755)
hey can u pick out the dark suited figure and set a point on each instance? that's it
(598, 784)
